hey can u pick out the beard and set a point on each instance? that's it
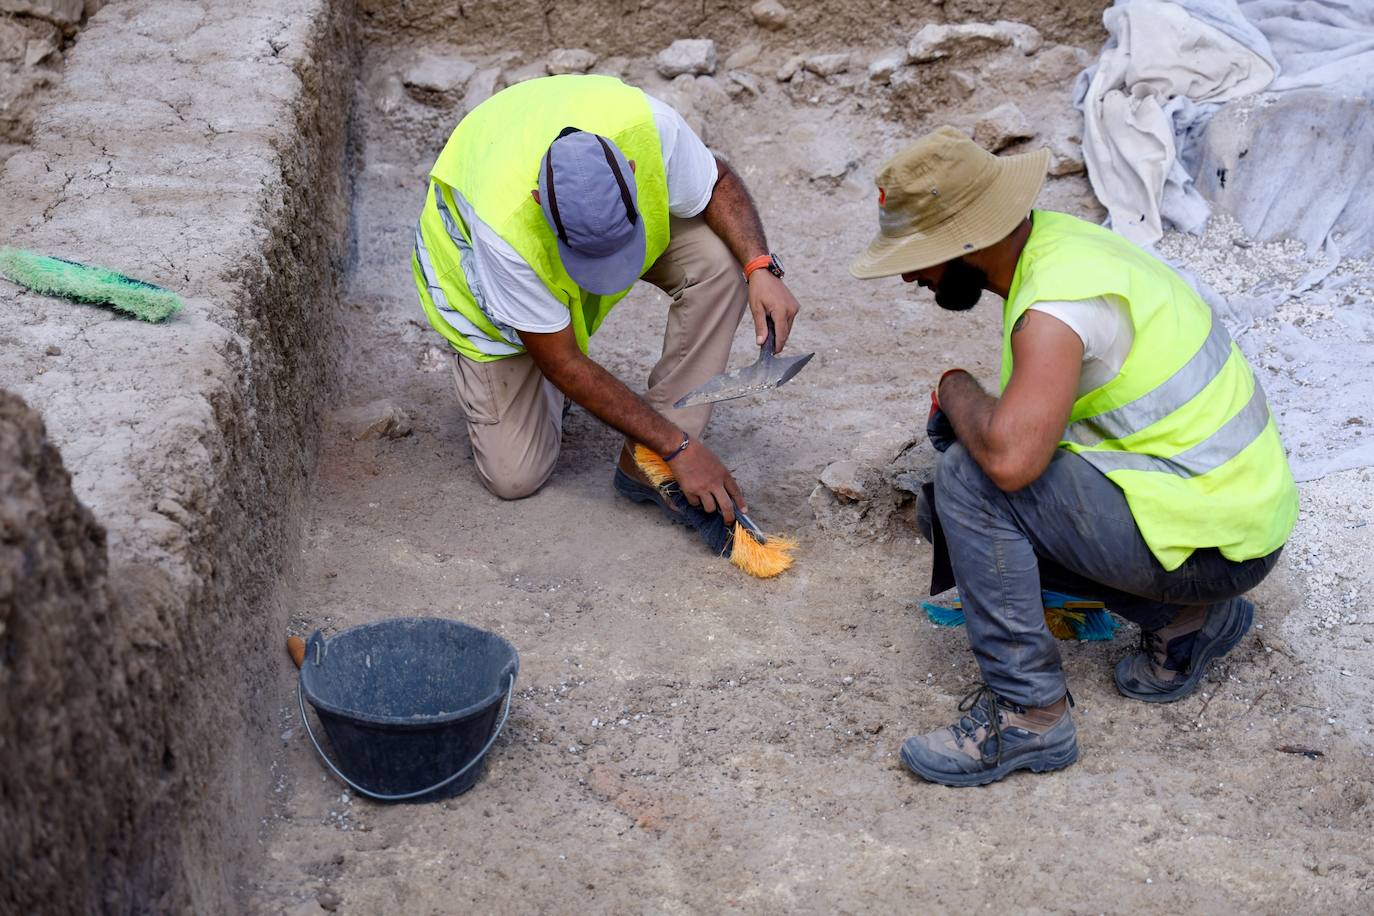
(961, 286)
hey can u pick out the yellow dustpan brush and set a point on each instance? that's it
(764, 558)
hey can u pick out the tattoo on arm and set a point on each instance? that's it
(1020, 322)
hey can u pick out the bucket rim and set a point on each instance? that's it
(505, 681)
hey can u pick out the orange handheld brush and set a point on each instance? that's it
(758, 554)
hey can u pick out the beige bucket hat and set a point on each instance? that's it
(945, 196)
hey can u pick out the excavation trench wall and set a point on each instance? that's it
(639, 27)
(200, 146)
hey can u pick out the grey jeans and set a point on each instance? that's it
(1070, 531)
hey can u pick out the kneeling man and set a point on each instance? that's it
(549, 201)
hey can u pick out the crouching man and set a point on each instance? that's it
(1129, 458)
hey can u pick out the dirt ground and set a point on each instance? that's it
(685, 739)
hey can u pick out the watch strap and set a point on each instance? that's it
(761, 262)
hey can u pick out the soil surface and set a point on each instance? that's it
(686, 739)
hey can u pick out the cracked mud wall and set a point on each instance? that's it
(203, 148)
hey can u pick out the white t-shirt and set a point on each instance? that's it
(1104, 326)
(514, 297)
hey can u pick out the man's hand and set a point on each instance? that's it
(769, 296)
(939, 430)
(703, 479)
(1013, 438)
(731, 215)
(706, 482)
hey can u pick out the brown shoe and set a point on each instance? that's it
(1173, 659)
(993, 738)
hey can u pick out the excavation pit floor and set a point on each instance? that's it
(685, 739)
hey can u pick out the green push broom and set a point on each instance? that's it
(84, 283)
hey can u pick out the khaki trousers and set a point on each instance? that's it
(515, 415)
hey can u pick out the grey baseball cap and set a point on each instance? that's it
(587, 190)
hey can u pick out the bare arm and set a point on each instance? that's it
(702, 477)
(1014, 437)
(731, 214)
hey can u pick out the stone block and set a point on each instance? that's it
(1001, 127)
(827, 64)
(433, 72)
(770, 14)
(380, 419)
(570, 60)
(882, 68)
(937, 41)
(696, 56)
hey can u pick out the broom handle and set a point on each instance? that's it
(300, 699)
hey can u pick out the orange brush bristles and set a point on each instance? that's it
(653, 465)
(763, 561)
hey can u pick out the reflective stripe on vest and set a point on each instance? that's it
(1180, 388)
(1183, 428)
(454, 318)
(489, 167)
(1234, 437)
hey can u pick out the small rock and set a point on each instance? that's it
(380, 419)
(1060, 64)
(40, 49)
(770, 14)
(937, 41)
(570, 60)
(65, 13)
(687, 55)
(964, 81)
(827, 64)
(743, 56)
(1002, 126)
(329, 899)
(881, 69)
(1066, 157)
(613, 66)
(791, 68)
(387, 92)
(53, 350)
(738, 82)
(483, 85)
(845, 479)
(438, 72)
(14, 38)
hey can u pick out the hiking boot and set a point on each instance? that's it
(993, 738)
(709, 526)
(1173, 659)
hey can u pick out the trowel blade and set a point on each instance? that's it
(764, 375)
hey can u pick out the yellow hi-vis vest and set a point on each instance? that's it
(488, 168)
(1183, 429)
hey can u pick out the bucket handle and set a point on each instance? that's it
(300, 699)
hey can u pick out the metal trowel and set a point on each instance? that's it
(768, 372)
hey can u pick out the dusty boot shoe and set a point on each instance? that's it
(709, 526)
(993, 738)
(1173, 659)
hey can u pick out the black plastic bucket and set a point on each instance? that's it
(411, 705)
